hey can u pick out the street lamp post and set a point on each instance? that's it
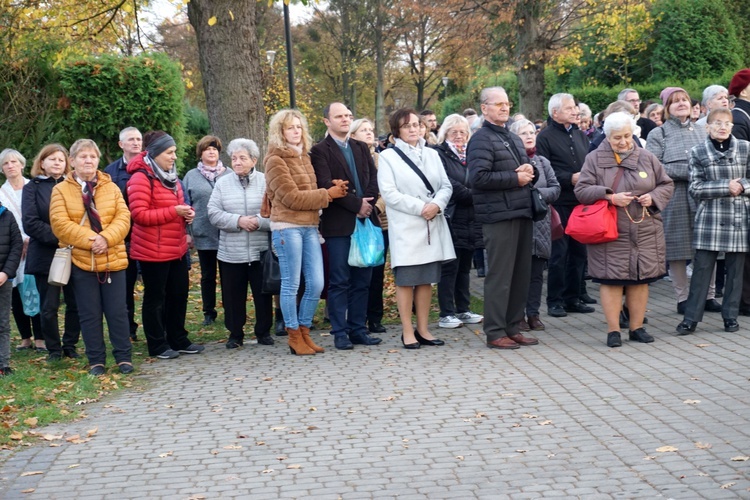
(289, 62)
(397, 101)
(445, 87)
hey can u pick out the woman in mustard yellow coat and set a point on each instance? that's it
(88, 213)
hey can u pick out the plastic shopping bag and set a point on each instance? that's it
(367, 246)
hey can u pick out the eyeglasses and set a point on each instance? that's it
(500, 104)
(634, 101)
(722, 124)
(411, 125)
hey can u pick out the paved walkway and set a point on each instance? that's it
(569, 418)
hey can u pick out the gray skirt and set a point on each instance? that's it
(422, 274)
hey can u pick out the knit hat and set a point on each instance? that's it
(159, 145)
(668, 92)
(739, 82)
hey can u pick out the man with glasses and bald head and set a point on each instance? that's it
(501, 177)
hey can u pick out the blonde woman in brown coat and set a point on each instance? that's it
(88, 212)
(295, 200)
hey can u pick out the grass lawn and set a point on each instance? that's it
(40, 393)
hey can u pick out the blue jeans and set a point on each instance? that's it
(298, 249)
(348, 289)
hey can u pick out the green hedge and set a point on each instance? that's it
(103, 95)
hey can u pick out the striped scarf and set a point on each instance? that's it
(88, 191)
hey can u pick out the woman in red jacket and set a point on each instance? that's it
(158, 241)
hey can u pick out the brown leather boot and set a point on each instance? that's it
(305, 332)
(296, 344)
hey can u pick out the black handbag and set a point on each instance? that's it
(539, 207)
(271, 270)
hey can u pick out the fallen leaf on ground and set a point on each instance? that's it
(32, 473)
(294, 466)
(311, 428)
(389, 398)
(529, 415)
(73, 466)
(741, 458)
(267, 379)
(233, 447)
(281, 457)
(260, 443)
(727, 485)
(546, 422)
(665, 449)
(31, 422)
(702, 345)
(165, 455)
(393, 351)
(691, 401)
(459, 457)
(649, 458)
(196, 497)
(91, 432)
(521, 451)
(507, 394)
(267, 471)
(312, 408)
(325, 334)
(278, 428)
(28, 490)
(703, 446)
(480, 415)
(16, 436)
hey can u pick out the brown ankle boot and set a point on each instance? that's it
(305, 332)
(296, 344)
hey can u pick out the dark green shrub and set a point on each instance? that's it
(103, 95)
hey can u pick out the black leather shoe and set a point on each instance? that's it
(480, 272)
(71, 353)
(265, 339)
(713, 306)
(233, 344)
(207, 320)
(343, 343)
(425, 341)
(556, 311)
(614, 340)
(415, 345)
(640, 335)
(681, 307)
(686, 327)
(376, 327)
(97, 370)
(587, 299)
(578, 307)
(719, 294)
(731, 325)
(364, 339)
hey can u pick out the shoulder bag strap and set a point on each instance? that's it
(408, 161)
(620, 171)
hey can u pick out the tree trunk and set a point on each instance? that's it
(530, 58)
(380, 122)
(231, 68)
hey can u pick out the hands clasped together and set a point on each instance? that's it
(624, 199)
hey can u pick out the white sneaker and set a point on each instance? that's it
(450, 322)
(470, 318)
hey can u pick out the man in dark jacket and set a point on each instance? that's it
(337, 157)
(631, 96)
(131, 143)
(565, 146)
(500, 177)
(11, 246)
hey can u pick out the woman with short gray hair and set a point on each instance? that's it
(234, 209)
(714, 97)
(634, 181)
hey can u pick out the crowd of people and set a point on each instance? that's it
(445, 197)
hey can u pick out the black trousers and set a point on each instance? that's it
(566, 266)
(25, 324)
(508, 267)
(703, 267)
(375, 297)
(534, 299)
(207, 260)
(49, 297)
(96, 298)
(234, 281)
(453, 288)
(165, 294)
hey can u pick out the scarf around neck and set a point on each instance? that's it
(88, 191)
(211, 173)
(167, 179)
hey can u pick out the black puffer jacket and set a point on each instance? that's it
(461, 206)
(42, 242)
(11, 243)
(566, 151)
(741, 129)
(493, 177)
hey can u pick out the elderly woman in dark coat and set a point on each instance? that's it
(549, 188)
(637, 257)
(718, 181)
(671, 143)
(453, 287)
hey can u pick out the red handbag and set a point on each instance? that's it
(595, 223)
